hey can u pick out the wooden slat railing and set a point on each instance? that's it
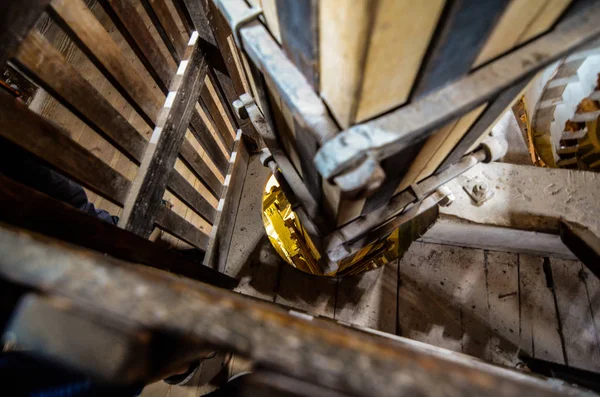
(54, 63)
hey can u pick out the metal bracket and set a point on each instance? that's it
(250, 15)
(478, 191)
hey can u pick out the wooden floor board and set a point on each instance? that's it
(425, 296)
(502, 279)
(539, 335)
(369, 299)
(252, 259)
(579, 334)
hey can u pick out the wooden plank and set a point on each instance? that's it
(503, 304)
(197, 164)
(16, 20)
(298, 22)
(465, 28)
(220, 237)
(369, 299)
(208, 142)
(180, 228)
(190, 196)
(438, 147)
(577, 324)
(126, 17)
(222, 32)
(52, 71)
(507, 32)
(426, 310)
(539, 333)
(544, 20)
(306, 292)
(251, 258)
(94, 40)
(50, 143)
(167, 28)
(211, 108)
(184, 15)
(592, 284)
(370, 54)
(165, 143)
(225, 139)
(37, 212)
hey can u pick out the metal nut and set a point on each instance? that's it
(240, 109)
(480, 189)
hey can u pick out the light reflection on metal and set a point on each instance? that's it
(292, 243)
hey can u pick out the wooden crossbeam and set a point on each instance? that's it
(127, 19)
(47, 67)
(53, 145)
(27, 208)
(176, 225)
(89, 34)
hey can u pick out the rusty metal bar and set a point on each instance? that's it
(305, 348)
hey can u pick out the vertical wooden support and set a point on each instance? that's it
(149, 185)
(220, 237)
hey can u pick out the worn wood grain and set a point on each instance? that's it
(37, 212)
(197, 164)
(88, 33)
(220, 238)
(369, 299)
(364, 71)
(465, 28)
(52, 71)
(539, 333)
(577, 324)
(125, 15)
(190, 196)
(50, 143)
(503, 303)
(166, 26)
(160, 157)
(210, 104)
(208, 142)
(180, 228)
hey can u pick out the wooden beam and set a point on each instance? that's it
(184, 15)
(89, 34)
(221, 32)
(181, 188)
(167, 28)
(264, 333)
(40, 213)
(49, 69)
(208, 142)
(165, 143)
(169, 221)
(298, 23)
(211, 108)
(17, 18)
(464, 30)
(127, 19)
(199, 167)
(53, 145)
(222, 231)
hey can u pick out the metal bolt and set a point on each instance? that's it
(480, 189)
(240, 109)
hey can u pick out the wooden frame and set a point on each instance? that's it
(142, 177)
